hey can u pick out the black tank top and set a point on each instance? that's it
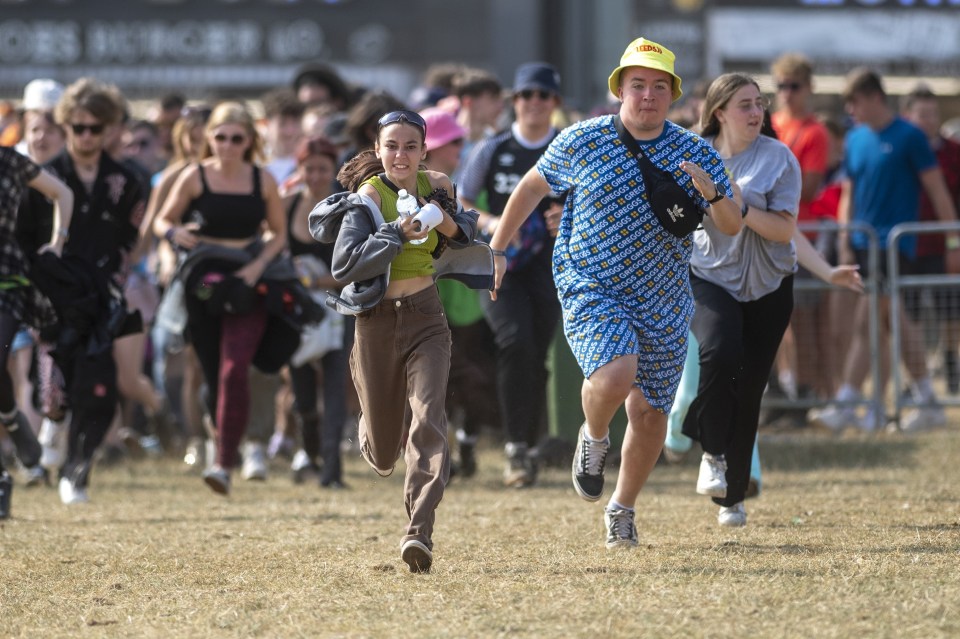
(229, 216)
(296, 247)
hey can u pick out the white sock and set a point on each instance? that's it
(587, 437)
(923, 390)
(847, 393)
(9, 419)
(612, 505)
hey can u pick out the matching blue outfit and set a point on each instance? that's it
(623, 281)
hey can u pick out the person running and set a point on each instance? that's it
(77, 370)
(20, 302)
(401, 356)
(216, 211)
(626, 312)
(525, 317)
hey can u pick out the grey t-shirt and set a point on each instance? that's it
(747, 265)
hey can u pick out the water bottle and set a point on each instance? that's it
(407, 206)
(6, 487)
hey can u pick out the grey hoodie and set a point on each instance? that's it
(365, 245)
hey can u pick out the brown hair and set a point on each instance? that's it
(234, 113)
(358, 169)
(718, 95)
(919, 93)
(473, 82)
(863, 81)
(794, 65)
(316, 145)
(102, 101)
(185, 124)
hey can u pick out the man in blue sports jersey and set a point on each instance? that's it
(888, 161)
(622, 279)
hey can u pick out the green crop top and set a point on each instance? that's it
(414, 260)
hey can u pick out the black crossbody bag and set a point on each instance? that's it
(677, 212)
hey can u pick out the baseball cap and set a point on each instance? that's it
(646, 53)
(41, 94)
(537, 75)
(442, 128)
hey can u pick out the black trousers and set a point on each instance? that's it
(523, 320)
(738, 345)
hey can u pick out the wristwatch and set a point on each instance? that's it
(719, 196)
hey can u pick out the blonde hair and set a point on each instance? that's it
(794, 65)
(719, 94)
(235, 113)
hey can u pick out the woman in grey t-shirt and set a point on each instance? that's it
(743, 289)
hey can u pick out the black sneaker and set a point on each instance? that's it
(588, 461)
(621, 528)
(28, 448)
(468, 461)
(6, 488)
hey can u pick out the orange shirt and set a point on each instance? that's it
(809, 141)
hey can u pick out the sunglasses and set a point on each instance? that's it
(80, 129)
(789, 86)
(527, 94)
(236, 138)
(403, 116)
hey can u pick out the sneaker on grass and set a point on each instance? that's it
(588, 461)
(218, 479)
(712, 480)
(732, 516)
(621, 529)
(416, 555)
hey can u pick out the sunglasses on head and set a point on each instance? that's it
(403, 116)
(236, 138)
(789, 86)
(80, 129)
(528, 94)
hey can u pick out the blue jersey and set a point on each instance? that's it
(884, 167)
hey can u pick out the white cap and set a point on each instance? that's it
(41, 95)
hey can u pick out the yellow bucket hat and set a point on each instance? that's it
(646, 53)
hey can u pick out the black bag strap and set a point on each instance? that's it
(383, 178)
(631, 143)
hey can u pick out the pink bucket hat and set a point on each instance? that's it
(442, 128)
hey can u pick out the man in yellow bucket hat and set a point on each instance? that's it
(622, 279)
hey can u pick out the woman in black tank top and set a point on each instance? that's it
(316, 166)
(226, 201)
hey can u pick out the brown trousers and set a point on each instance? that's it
(400, 364)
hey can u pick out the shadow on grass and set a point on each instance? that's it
(817, 454)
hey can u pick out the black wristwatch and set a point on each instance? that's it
(719, 196)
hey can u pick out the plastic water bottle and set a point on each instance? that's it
(408, 206)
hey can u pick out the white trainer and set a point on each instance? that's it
(924, 418)
(53, 439)
(835, 418)
(712, 480)
(70, 493)
(733, 516)
(254, 462)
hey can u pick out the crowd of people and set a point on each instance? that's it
(234, 283)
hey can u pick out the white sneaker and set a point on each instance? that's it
(712, 480)
(835, 418)
(872, 421)
(53, 439)
(925, 418)
(733, 516)
(72, 494)
(194, 455)
(254, 462)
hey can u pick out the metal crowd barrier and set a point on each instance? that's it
(899, 283)
(871, 289)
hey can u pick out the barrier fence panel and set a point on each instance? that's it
(911, 292)
(815, 358)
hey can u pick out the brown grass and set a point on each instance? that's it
(851, 537)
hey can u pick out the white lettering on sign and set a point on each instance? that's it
(41, 42)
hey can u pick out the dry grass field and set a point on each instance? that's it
(852, 537)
